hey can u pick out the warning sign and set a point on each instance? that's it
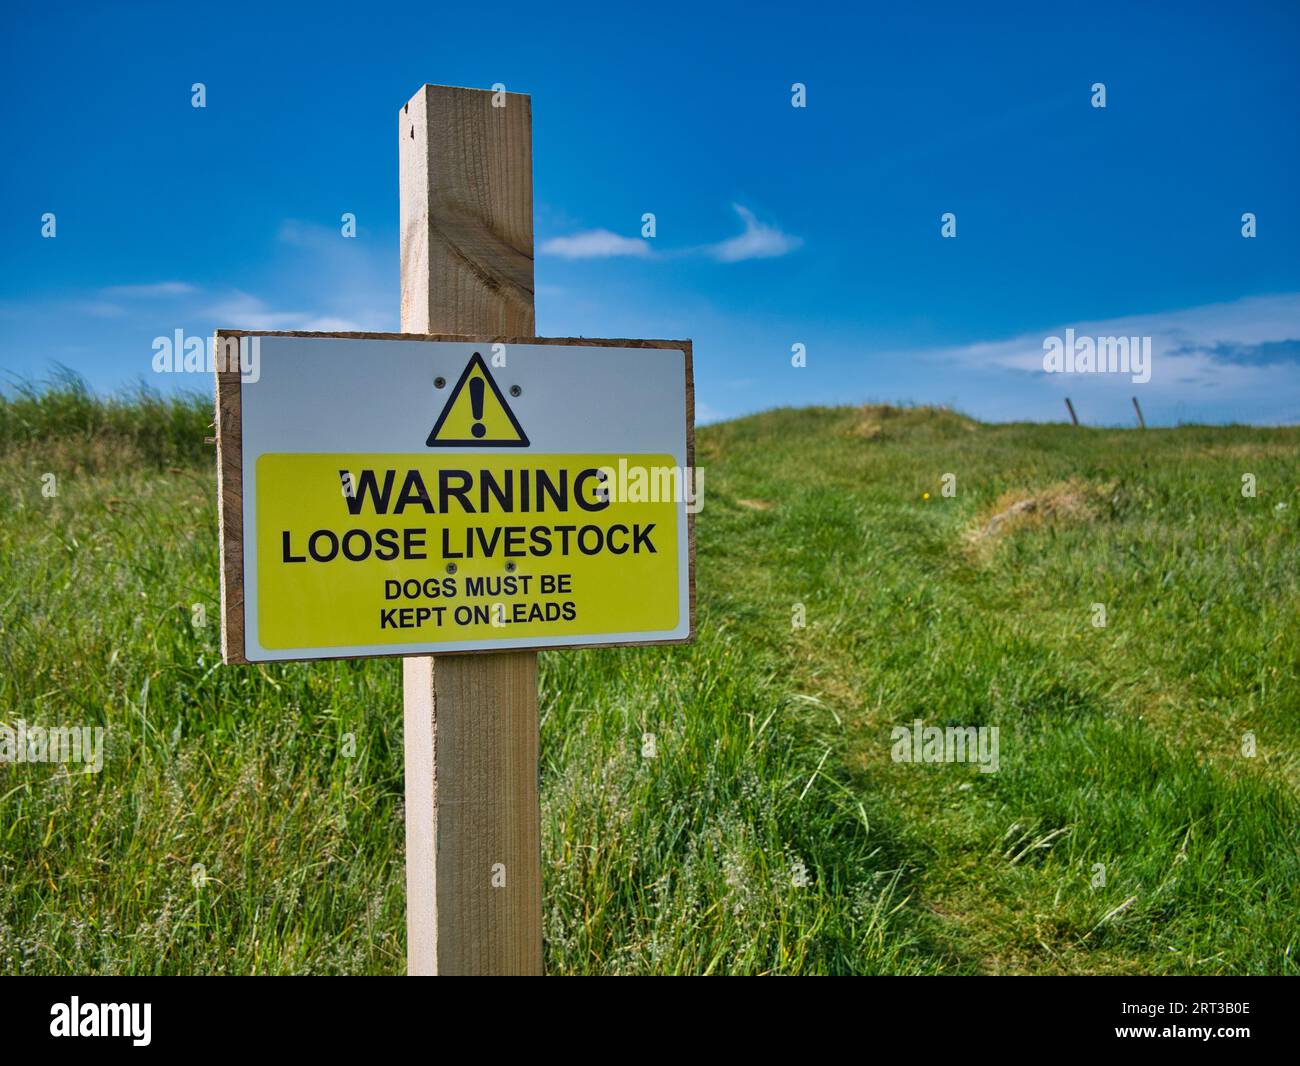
(476, 414)
(549, 506)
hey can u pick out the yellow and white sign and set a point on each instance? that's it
(404, 496)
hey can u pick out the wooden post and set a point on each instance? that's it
(1073, 417)
(473, 823)
(1142, 422)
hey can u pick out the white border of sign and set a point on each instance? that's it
(237, 513)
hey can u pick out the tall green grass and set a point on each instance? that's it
(154, 428)
(730, 807)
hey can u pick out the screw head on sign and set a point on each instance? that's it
(515, 390)
(451, 568)
(511, 567)
(439, 383)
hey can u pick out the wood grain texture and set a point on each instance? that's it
(473, 821)
(230, 502)
(472, 806)
(466, 172)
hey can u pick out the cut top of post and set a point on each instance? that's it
(466, 171)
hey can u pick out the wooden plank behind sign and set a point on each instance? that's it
(230, 507)
(230, 474)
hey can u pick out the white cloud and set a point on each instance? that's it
(99, 308)
(596, 244)
(758, 241)
(310, 235)
(1182, 341)
(1205, 362)
(241, 310)
(156, 289)
(706, 413)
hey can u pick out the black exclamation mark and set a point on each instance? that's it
(476, 401)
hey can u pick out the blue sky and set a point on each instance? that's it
(776, 225)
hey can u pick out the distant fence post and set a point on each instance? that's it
(1142, 422)
(1073, 417)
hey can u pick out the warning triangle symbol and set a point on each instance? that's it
(476, 415)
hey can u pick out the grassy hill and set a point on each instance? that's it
(249, 819)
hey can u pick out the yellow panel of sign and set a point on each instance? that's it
(357, 551)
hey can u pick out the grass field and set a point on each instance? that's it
(249, 819)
